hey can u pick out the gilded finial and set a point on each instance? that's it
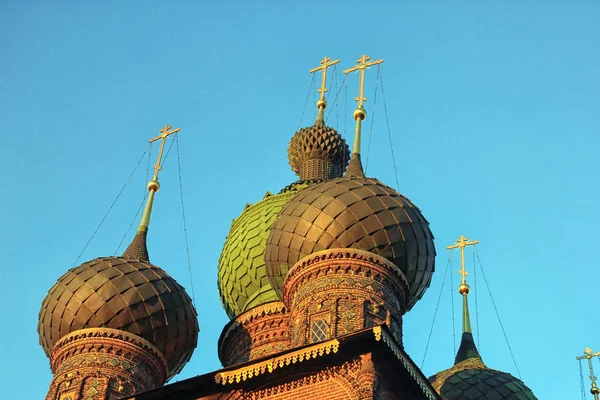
(321, 103)
(360, 114)
(588, 354)
(137, 249)
(464, 288)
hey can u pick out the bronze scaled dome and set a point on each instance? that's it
(318, 152)
(353, 212)
(126, 294)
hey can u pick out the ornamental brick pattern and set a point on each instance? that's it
(123, 294)
(336, 292)
(259, 332)
(102, 364)
(358, 213)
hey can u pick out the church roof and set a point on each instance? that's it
(281, 367)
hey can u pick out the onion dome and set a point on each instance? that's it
(470, 378)
(242, 279)
(318, 152)
(127, 294)
(353, 212)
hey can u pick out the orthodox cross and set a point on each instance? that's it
(325, 63)
(461, 244)
(165, 132)
(589, 355)
(363, 63)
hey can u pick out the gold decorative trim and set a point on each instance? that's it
(250, 371)
(377, 332)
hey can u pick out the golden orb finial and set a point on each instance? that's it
(360, 114)
(463, 288)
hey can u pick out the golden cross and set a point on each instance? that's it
(588, 354)
(324, 65)
(461, 244)
(165, 132)
(362, 65)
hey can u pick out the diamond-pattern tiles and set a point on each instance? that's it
(126, 294)
(318, 142)
(484, 384)
(352, 213)
(242, 274)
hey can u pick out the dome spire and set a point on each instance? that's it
(137, 248)
(321, 103)
(355, 166)
(467, 346)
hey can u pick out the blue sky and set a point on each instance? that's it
(494, 116)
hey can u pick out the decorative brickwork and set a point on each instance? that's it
(259, 332)
(336, 292)
(102, 363)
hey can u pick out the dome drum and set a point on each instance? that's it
(125, 294)
(335, 292)
(107, 361)
(257, 333)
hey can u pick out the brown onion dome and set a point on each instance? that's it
(353, 212)
(125, 294)
(318, 152)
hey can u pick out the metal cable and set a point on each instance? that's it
(372, 120)
(387, 120)
(581, 381)
(314, 100)
(148, 170)
(187, 246)
(111, 207)
(435, 314)
(452, 303)
(312, 81)
(337, 109)
(476, 302)
(337, 94)
(497, 313)
(132, 221)
(143, 200)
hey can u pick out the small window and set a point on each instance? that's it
(319, 330)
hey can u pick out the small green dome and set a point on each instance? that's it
(242, 279)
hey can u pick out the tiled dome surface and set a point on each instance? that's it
(125, 294)
(358, 213)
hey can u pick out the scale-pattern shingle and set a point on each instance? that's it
(358, 213)
(125, 294)
(484, 384)
(242, 279)
(318, 142)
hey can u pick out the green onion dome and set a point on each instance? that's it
(353, 212)
(316, 153)
(242, 279)
(128, 294)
